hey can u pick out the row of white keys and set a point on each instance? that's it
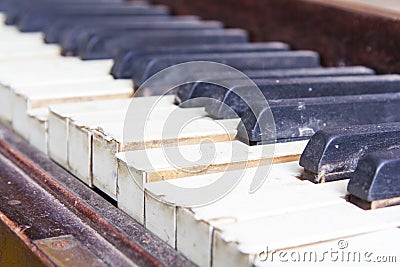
(97, 161)
(193, 228)
(27, 74)
(46, 73)
(109, 139)
(58, 122)
(137, 168)
(71, 127)
(25, 99)
(105, 165)
(284, 213)
(160, 216)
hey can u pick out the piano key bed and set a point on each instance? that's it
(333, 163)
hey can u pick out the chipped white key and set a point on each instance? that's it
(58, 123)
(61, 114)
(160, 216)
(136, 168)
(27, 98)
(282, 192)
(109, 138)
(238, 244)
(79, 145)
(106, 144)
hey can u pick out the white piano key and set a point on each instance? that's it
(15, 73)
(37, 123)
(26, 98)
(151, 165)
(361, 250)
(5, 102)
(11, 36)
(282, 184)
(58, 123)
(243, 241)
(15, 51)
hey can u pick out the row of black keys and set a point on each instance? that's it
(303, 97)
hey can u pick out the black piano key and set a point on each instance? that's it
(73, 37)
(300, 88)
(333, 153)
(297, 119)
(377, 176)
(39, 19)
(55, 31)
(241, 61)
(127, 61)
(204, 90)
(16, 9)
(107, 45)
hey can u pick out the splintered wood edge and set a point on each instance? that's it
(376, 204)
(323, 177)
(160, 175)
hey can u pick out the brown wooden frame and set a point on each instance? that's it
(344, 34)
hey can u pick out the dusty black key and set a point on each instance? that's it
(204, 90)
(241, 61)
(54, 33)
(39, 19)
(73, 37)
(297, 119)
(107, 45)
(301, 88)
(127, 61)
(17, 9)
(333, 153)
(377, 179)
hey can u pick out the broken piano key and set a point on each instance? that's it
(376, 181)
(333, 153)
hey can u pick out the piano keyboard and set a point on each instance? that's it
(336, 133)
